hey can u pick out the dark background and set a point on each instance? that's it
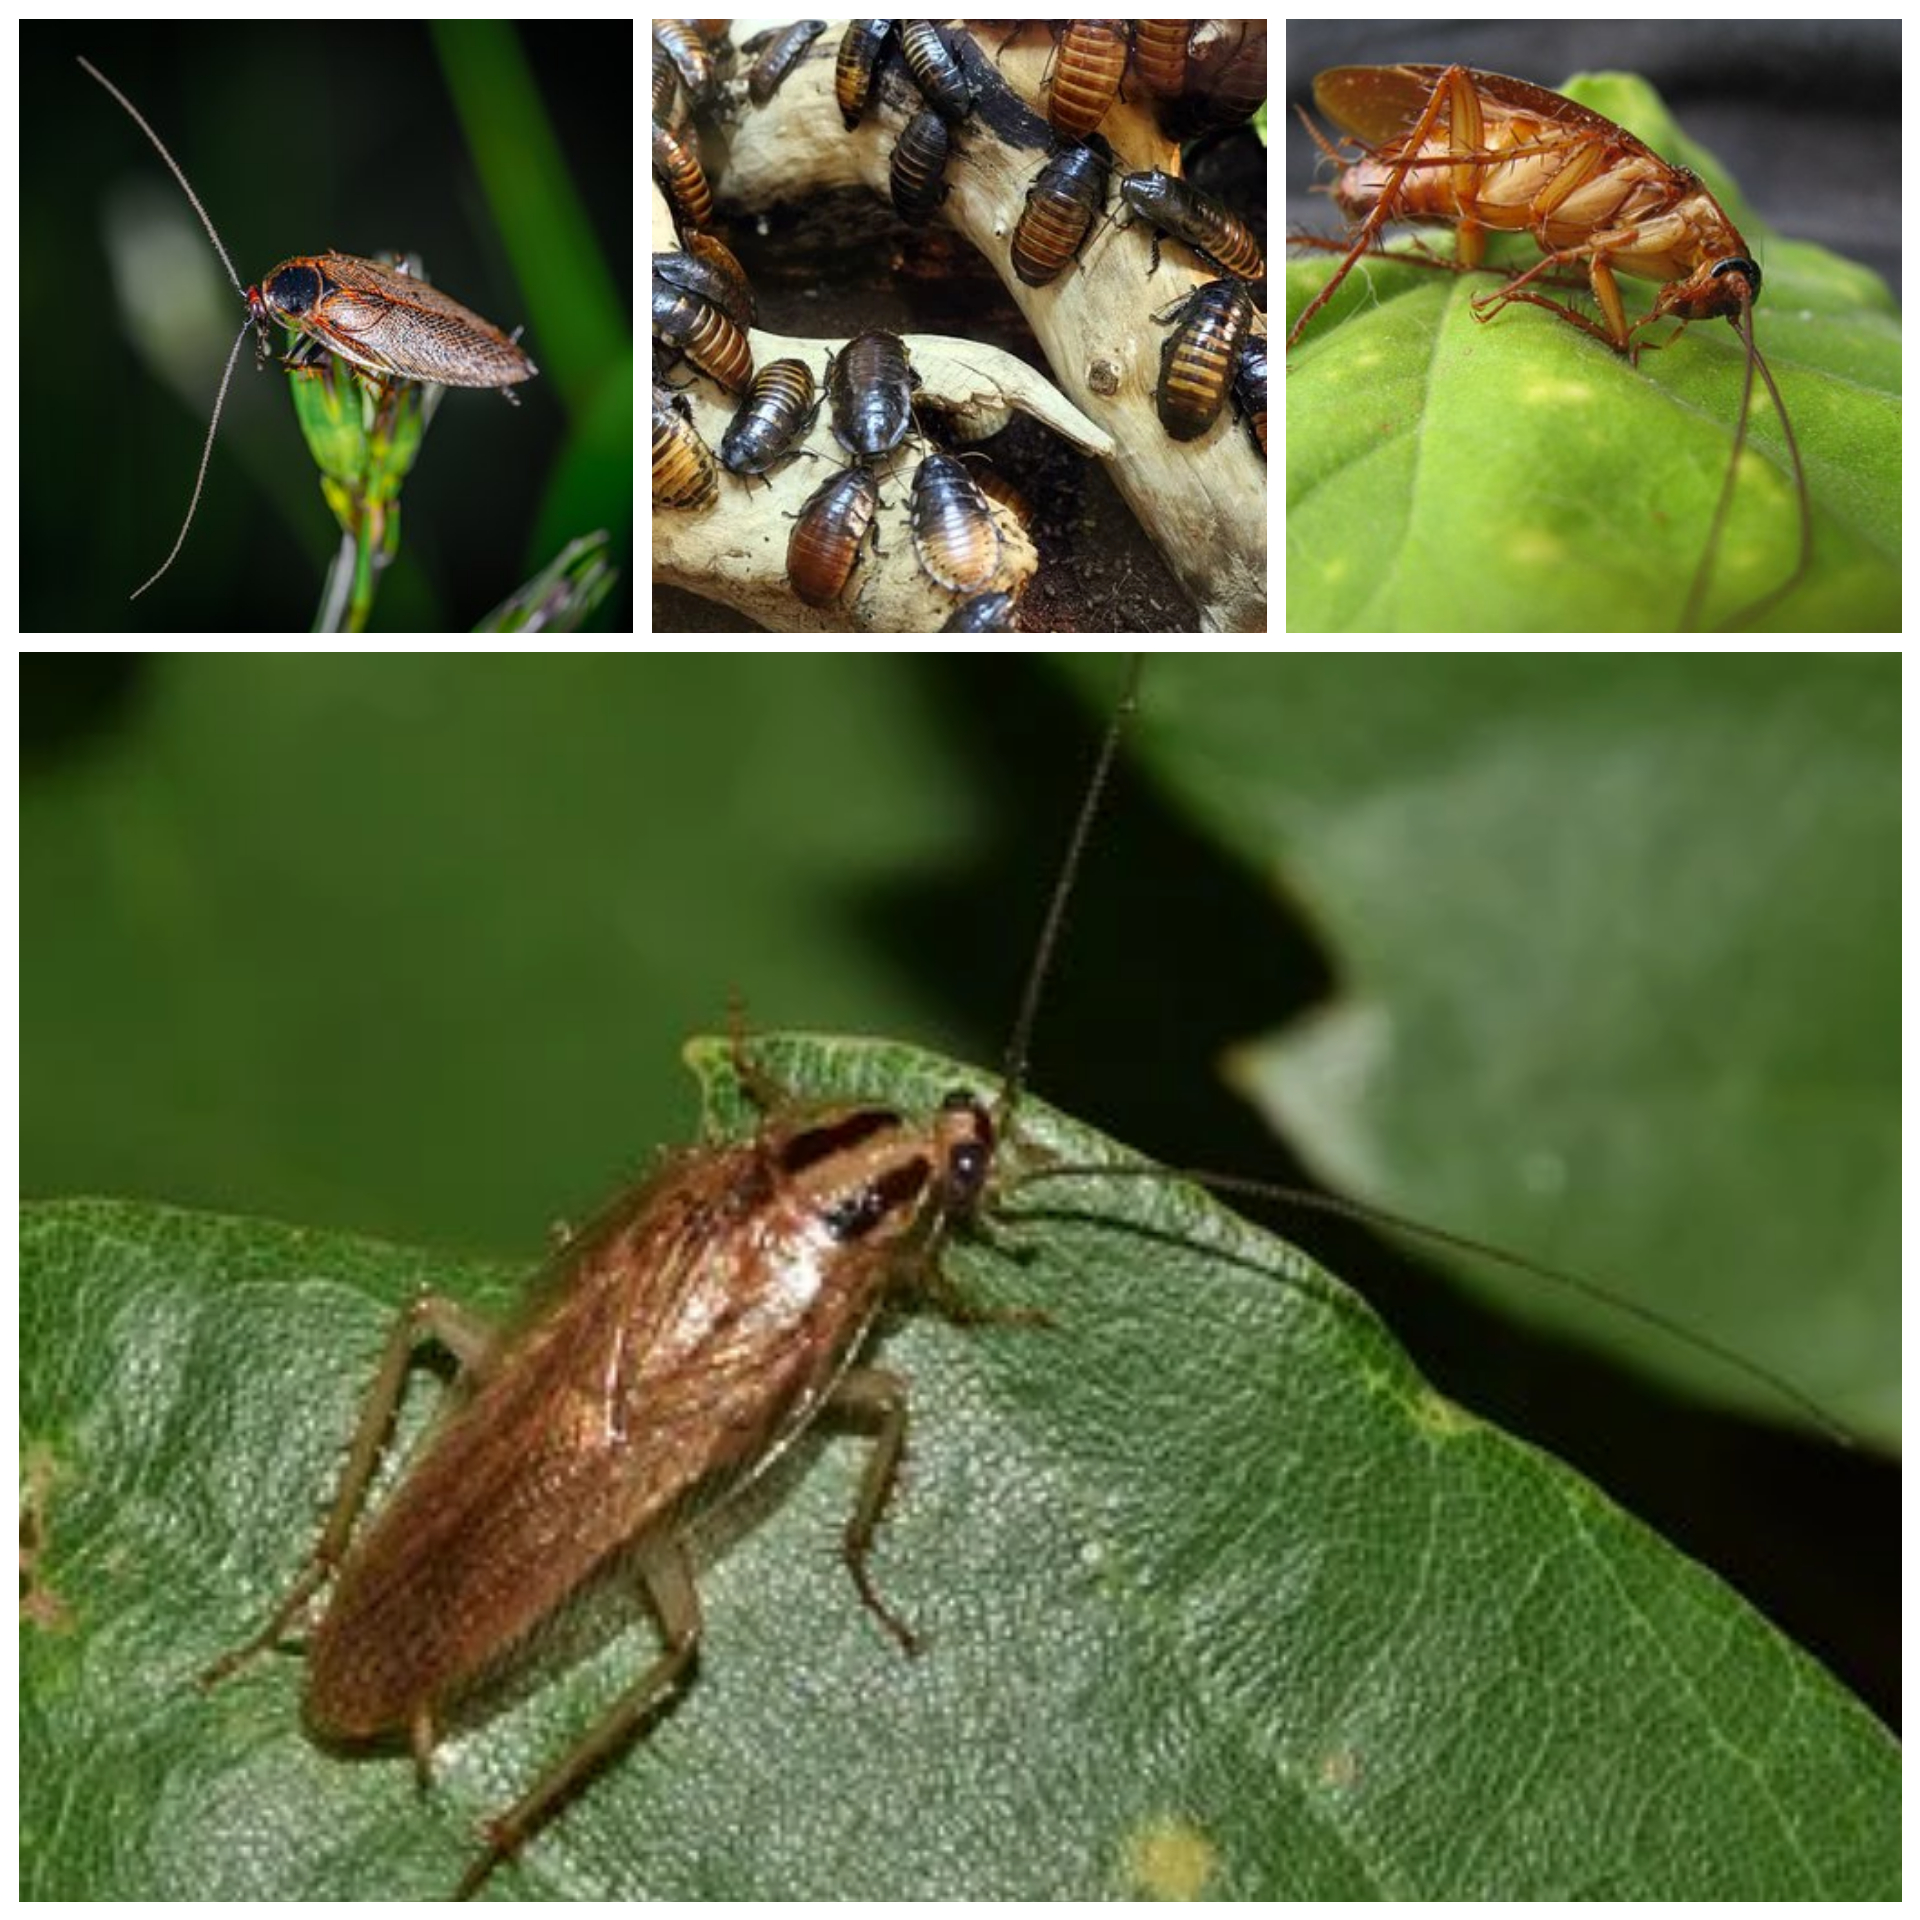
(1805, 112)
(300, 138)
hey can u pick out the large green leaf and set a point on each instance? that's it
(1452, 476)
(1220, 1598)
(1616, 958)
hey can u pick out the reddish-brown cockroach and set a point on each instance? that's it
(919, 160)
(781, 51)
(1061, 205)
(827, 535)
(954, 532)
(384, 321)
(1086, 74)
(684, 1339)
(855, 65)
(1482, 153)
(1201, 356)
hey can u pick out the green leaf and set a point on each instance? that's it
(1220, 1598)
(1445, 475)
(1616, 958)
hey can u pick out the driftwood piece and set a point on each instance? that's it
(1204, 501)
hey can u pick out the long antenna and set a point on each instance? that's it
(1306, 1200)
(1013, 1075)
(160, 149)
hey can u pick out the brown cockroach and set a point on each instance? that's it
(855, 64)
(1201, 356)
(1061, 205)
(1087, 68)
(780, 54)
(683, 471)
(1481, 152)
(827, 535)
(677, 167)
(383, 320)
(681, 1341)
(954, 531)
(700, 330)
(1160, 55)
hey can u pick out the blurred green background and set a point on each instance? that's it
(500, 154)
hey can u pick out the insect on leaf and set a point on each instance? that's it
(1448, 475)
(1207, 1572)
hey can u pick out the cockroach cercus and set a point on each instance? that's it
(685, 1339)
(385, 321)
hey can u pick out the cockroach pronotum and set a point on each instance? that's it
(1171, 206)
(701, 331)
(953, 527)
(777, 407)
(739, 305)
(854, 66)
(683, 471)
(1201, 356)
(1061, 204)
(682, 1341)
(1087, 68)
(1481, 152)
(779, 57)
(827, 535)
(935, 70)
(871, 386)
(919, 160)
(385, 321)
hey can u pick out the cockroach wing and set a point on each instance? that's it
(641, 1384)
(1379, 104)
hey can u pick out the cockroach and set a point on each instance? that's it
(382, 320)
(667, 93)
(719, 256)
(704, 334)
(871, 387)
(1173, 207)
(935, 70)
(777, 409)
(683, 1340)
(919, 159)
(853, 69)
(827, 535)
(701, 277)
(1092, 57)
(1226, 71)
(1250, 387)
(1482, 152)
(984, 613)
(683, 471)
(1201, 356)
(688, 50)
(677, 167)
(954, 532)
(779, 57)
(1061, 204)
(1160, 55)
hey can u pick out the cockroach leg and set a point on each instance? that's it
(432, 1317)
(873, 1396)
(666, 1578)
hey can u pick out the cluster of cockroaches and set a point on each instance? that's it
(702, 311)
(702, 308)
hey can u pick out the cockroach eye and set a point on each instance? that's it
(293, 289)
(1748, 267)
